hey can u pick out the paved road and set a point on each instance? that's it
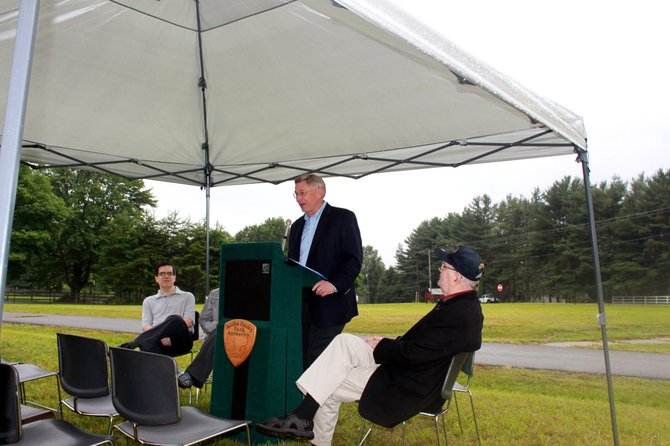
(643, 365)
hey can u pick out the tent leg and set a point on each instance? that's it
(583, 158)
(12, 135)
(202, 84)
(207, 201)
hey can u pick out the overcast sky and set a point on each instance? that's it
(604, 60)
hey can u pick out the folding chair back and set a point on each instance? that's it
(469, 367)
(10, 428)
(144, 387)
(452, 374)
(82, 364)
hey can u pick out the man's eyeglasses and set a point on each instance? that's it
(302, 193)
(166, 274)
(445, 265)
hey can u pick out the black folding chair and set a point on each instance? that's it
(32, 413)
(53, 432)
(84, 374)
(31, 372)
(439, 410)
(145, 393)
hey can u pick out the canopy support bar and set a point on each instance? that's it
(582, 157)
(202, 83)
(15, 112)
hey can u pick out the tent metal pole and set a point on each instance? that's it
(602, 320)
(202, 83)
(12, 135)
(207, 200)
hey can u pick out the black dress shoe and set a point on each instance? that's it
(288, 426)
(185, 380)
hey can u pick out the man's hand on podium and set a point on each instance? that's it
(323, 288)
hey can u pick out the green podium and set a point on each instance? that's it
(256, 285)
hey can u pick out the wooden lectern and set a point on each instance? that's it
(257, 285)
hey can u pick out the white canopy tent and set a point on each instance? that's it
(291, 86)
(227, 92)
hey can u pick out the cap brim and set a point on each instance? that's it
(441, 253)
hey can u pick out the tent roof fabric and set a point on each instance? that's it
(345, 88)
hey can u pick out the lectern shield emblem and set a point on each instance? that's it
(239, 336)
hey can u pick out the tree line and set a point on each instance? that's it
(85, 231)
(540, 247)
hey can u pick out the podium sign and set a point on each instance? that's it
(257, 288)
(239, 337)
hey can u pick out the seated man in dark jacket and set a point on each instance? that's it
(393, 379)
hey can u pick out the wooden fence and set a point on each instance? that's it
(645, 300)
(20, 295)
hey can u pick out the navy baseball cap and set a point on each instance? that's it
(464, 260)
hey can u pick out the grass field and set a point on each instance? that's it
(514, 406)
(510, 323)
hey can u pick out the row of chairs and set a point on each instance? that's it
(143, 390)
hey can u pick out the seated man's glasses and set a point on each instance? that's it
(445, 265)
(166, 274)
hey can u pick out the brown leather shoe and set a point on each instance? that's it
(288, 426)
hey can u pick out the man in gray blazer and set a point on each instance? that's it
(200, 368)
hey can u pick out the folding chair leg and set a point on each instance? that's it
(474, 417)
(437, 429)
(111, 425)
(444, 430)
(458, 412)
(361, 437)
(248, 435)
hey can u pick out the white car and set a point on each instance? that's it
(489, 299)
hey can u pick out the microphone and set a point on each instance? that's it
(288, 227)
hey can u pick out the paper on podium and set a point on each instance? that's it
(294, 262)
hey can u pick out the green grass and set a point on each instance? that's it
(116, 311)
(508, 323)
(536, 323)
(514, 406)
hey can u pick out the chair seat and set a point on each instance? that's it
(95, 407)
(30, 372)
(193, 427)
(60, 433)
(459, 388)
(30, 414)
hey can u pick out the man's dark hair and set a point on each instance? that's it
(174, 271)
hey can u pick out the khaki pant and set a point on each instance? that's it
(337, 376)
